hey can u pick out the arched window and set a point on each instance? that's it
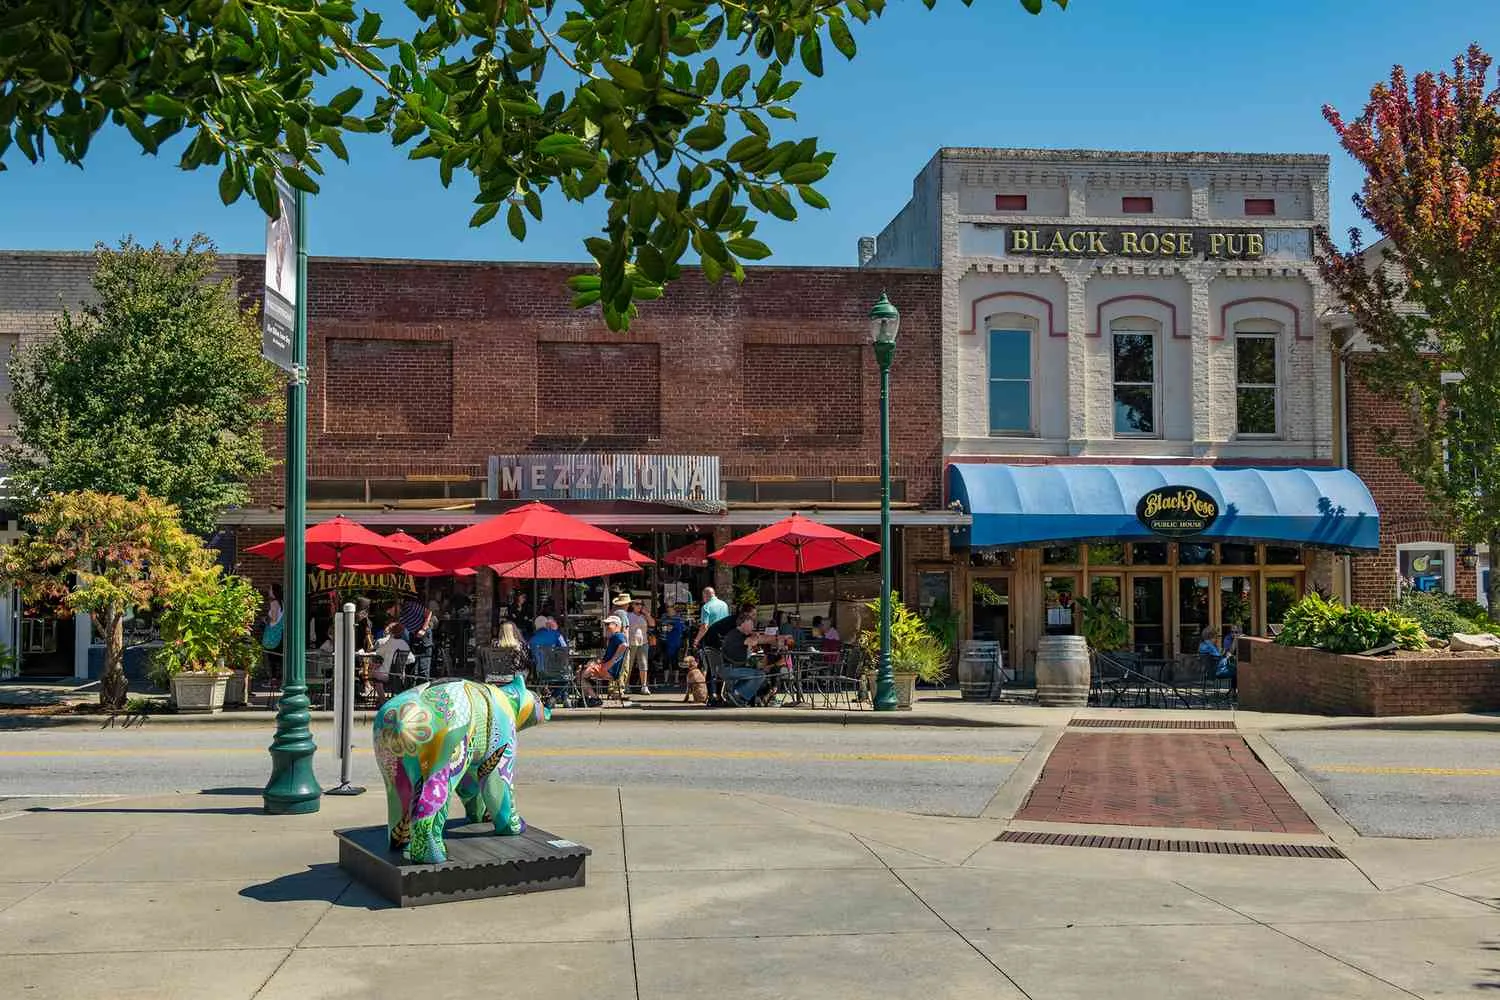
(1134, 343)
(1257, 403)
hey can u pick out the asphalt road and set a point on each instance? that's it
(1403, 784)
(938, 771)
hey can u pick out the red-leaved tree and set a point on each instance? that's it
(1428, 295)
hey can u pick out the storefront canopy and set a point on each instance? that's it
(1037, 504)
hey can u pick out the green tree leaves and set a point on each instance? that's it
(158, 387)
(580, 98)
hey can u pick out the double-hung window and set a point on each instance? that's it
(1255, 401)
(1010, 381)
(1134, 345)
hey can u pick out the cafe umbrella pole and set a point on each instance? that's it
(293, 788)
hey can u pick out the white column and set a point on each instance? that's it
(1076, 274)
(1205, 385)
(83, 634)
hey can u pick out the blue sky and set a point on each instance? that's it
(1231, 75)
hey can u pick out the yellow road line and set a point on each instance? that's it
(590, 752)
(1456, 772)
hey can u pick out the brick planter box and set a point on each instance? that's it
(1276, 678)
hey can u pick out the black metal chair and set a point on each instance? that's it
(554, 678)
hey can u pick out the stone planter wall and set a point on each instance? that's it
(1276, 678)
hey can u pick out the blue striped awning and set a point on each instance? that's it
(1040, 504)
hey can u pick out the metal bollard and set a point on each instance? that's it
(344, 683)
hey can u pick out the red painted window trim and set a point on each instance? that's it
(1137, 205)
(1010, 203)
(1260, 206)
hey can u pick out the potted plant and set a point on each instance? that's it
(205, 627)
(916, 652)
(1102, 624)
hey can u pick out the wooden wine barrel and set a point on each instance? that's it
(1062, 670)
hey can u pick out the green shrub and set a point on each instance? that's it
(1440, 614)
(1103, 625)
(1324, 624)
(914, 647)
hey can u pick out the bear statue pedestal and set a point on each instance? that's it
(479, 864)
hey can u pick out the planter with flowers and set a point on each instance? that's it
(206, 639)
(917, 653)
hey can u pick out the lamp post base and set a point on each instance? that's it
(293, 789)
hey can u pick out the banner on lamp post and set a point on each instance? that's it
(279, 312)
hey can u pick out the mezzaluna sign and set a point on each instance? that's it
(1118, 241)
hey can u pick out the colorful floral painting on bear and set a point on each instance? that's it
(451, 736)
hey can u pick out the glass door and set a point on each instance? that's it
(989, 611)
(1194, 612)
(1058, 607)
(1148, 615)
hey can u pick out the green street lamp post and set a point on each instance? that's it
(293, 787)
(885, 321)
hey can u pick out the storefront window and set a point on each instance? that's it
(1194, 554)
(1107, 589)
(1060, 555)
(1425, 568)
(1283, 555)
(1236, 602)
(1231, 554)
(1281, 594)
(1148, 554)
(990, 558)
(1106, 554)
(1193, 612)
(932, 588)
(1057, 594)
(1148, 616)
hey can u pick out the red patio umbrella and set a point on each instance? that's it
(416, 567)
(528, 532)
(339, 543)
(564, 568)
(691, 554)
(796, 545)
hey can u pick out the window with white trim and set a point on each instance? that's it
(1010, 381)
(1257, 402)
(1133, 344)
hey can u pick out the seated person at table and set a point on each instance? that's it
(697, 684)
(389, 645)
(610, 663)
(713, 637)
(1222, 658)
(745, 681)
(545, 634)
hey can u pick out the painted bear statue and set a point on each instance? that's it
(451, 735)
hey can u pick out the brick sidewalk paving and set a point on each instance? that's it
(1197, 780)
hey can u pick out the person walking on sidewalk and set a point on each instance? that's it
(713, 611)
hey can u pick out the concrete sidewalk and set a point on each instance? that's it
(688, 891)
(930, 709)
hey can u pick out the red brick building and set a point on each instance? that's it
(422, 371)
(429, 380)
(1414, 549)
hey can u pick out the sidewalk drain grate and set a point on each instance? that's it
(1179, 846)
(1149, 724)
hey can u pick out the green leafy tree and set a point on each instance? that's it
(102, 555)
(663, 107)
(1428, 297)
(158, 387)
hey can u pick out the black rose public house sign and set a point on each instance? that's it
(1177, 511)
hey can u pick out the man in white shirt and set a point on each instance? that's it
(389, 645)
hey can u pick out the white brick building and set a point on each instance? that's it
(1146, 321)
